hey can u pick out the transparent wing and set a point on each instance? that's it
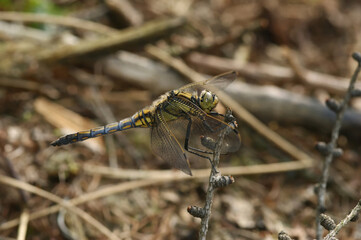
(220, 81)
(211, 126)
(203, 124)
(165, 145)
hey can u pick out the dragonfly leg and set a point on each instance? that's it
(216, 114)
(186, 142)
(196, 151)
(212, 114)
(228, 118)
(207, 125)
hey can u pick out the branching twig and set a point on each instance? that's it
(329, 150)
(212, 186)
(347, 219)
(216, 180)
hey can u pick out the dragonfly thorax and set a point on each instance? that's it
(207, 100)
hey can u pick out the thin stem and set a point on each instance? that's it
(211, 188)
(329, 156)
(355, 211)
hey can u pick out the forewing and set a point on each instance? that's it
(231, 141)
(207, 125)
(211, 126)
(165, 145)
(220, 81)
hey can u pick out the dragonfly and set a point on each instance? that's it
(177, 120)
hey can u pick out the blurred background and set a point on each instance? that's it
(68, 65)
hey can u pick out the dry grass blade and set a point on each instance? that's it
(24, 220)
(152, 177)
(106, 191)
(66, 204)
(171, 175)
(67, 121)
(59, 20)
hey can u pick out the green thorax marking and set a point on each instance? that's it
(179, 103)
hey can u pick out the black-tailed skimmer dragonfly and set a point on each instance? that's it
(177, 120)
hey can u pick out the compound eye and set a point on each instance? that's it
(208, 100)
(206, 96)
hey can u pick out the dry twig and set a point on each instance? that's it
(347, 219)
(212, 186)
(329, 150)
(147, 31)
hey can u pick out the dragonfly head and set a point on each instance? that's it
(208, 100)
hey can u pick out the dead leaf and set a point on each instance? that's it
(68, 121)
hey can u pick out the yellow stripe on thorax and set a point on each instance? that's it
(187, 104)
